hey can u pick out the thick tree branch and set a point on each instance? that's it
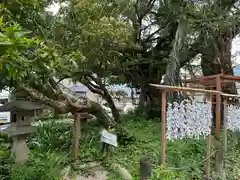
(35, 95)
(94, 90)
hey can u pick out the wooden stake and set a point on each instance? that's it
(145, 169)
(208, 140)
(76, 134)
(164, 103)
(225, 126)
(225, 136)
(218, 106)
(207, 165)
(218, 146)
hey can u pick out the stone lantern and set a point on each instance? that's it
(20, 127)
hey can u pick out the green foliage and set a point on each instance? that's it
(94, 30)
(13, 44)
(51, 136)
(51, 151)
(162, 172)
(147, 112)
(5, 162)
(45, 166)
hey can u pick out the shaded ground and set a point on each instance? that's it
(95, 172)
(98, 175)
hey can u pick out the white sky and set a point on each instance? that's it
(236, 49)
(54, 8)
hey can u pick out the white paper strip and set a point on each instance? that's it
(188, 119)
(233, 118)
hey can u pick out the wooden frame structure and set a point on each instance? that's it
(80, 119)
(217, 82)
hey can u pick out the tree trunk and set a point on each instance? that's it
(225, 59)
(172, 76)
(102, 91)
(112, 105)
(210, 62)
(216, 61)
(142, 98)
(96, 110)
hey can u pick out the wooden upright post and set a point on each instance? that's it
(208, 159)
(218, 146)
(164, 103)
(145, 169)
(225, 125)
(225, 136)
(218, 106)
(76, 134)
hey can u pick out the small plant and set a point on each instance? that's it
(39, 167)
(5, 161)
(52, 136)
(164, 173)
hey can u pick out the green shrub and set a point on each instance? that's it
(148, 112)
(39, 167)
(51, 144)
(5, 161)
(52, 135)
(165, 173)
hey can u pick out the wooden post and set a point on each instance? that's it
(76, 134)
(164, 103)
(225, 125)
(218, 106)
(208, 160)
(218, 146)
(225, 134)
(83, 122)
(145, 169)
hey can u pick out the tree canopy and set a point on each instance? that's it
(99, 42)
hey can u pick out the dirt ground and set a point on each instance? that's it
(97, 172)
(98, 175)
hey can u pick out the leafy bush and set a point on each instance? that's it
(5, 160)
(148, 112)
(51, 144)
(163, 172)
(39, 167)
(49, 153)
(52, 135)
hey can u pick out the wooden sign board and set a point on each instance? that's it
(109, 138)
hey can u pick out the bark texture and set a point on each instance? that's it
(70, 103)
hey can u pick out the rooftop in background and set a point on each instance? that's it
(19, 105)
(78, 87)
(211, 81)
(236, 70)
(4, 94)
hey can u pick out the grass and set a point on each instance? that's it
(51, 151)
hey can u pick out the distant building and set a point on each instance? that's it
(4, 98)
(236, 72)
(83, 91)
